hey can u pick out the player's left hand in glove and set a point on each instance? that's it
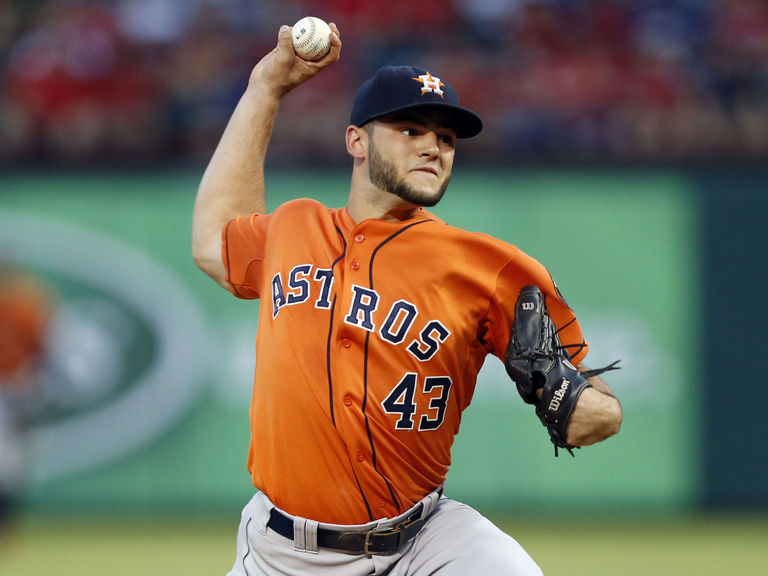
(535, 360)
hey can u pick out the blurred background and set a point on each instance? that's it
(625, 146)
(122, 81)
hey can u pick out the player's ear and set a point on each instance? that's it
(357, 142)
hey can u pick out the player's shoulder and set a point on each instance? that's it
(302, 210)
(301, 206)
(471, 247)
(472, 237)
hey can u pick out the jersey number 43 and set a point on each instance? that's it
(402, 401)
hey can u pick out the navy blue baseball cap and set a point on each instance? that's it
(395, 88)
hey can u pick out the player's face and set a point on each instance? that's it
(411, 156)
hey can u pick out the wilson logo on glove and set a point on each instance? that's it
(559, 394)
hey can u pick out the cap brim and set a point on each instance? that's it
(466, 123)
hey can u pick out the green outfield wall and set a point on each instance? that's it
(145, 402)
(734, 343)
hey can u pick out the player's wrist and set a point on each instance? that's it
(262, 85)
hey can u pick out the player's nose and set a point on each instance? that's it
(429, 144)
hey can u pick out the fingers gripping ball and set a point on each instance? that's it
(536, 361)
(311, 38)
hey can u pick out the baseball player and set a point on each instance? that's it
(374, 322)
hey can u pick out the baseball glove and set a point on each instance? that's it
(535, 360)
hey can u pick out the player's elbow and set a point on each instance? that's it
(213, 269)
(610, 422)
(603, 424)
(207, 257)
(202, 261)
(200, 254)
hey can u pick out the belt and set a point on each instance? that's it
(369, 542)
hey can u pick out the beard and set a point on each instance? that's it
(383, 175)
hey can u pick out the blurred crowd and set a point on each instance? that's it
(126, 81)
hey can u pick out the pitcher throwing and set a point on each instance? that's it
(374, 321)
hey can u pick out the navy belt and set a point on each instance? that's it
(373, 541)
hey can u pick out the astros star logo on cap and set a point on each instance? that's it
(430, 84)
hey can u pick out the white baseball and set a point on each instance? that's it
(311, 38)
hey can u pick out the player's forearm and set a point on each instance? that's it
(233, 182)
(597, 415)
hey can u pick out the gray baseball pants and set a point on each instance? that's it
(455, 540)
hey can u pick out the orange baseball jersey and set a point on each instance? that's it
(369, 341)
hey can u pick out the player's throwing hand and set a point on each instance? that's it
(283, 70)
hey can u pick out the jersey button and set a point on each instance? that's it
(347, 400)
(346, 342)
(359, 238)
(360, 456)
(355, 265)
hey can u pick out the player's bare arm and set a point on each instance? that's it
(597, 415)
(233, 182)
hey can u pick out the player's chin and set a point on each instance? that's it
(421, 197)
(423, 193)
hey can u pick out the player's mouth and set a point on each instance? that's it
(426, 170)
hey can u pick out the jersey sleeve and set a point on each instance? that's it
(243, 251)
(524, 270)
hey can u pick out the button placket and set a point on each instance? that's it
(358, 238)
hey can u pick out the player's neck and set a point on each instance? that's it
(367, 202)
(361, 210)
